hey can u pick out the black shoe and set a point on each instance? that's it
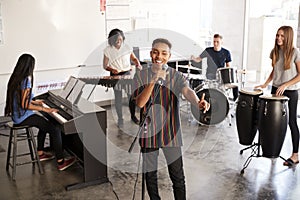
(135, 120)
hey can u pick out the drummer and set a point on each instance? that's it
(217, 57)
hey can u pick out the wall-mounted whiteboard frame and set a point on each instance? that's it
(1, 27)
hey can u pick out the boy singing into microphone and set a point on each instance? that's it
(162, 125)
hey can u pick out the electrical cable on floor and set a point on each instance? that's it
(113, 190)
(137, 176)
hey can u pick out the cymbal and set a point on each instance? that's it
(189, 69)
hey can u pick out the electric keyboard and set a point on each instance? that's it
(83, 127)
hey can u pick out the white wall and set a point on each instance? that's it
(182, 17)
(63, 34)
(60, 34)
(228, 20)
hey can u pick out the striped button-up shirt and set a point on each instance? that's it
(162, 125)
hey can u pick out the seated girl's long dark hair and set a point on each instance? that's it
(22, 71)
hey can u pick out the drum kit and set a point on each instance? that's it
(215, 93)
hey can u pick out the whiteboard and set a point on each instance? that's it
(58, 33)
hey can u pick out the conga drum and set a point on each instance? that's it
(247, 115)
(273, 120)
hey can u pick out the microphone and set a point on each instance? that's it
(160, 80)
(165, 67)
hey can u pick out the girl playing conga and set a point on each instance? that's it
(286, 76)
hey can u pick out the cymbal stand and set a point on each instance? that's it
(187, 104)
(189, 113)
(231, 102)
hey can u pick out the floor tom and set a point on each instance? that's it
(227, 76)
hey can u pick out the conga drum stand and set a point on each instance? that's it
(272, 110)
(255, 152)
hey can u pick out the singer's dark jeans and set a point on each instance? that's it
(45, 127)
(173, 157)
(292, 104)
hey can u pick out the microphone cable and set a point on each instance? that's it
(116, 195)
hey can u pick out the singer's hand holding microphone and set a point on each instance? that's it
(162, 74)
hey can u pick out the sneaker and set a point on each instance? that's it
(67, 163)
(135, 120)
(45, 157)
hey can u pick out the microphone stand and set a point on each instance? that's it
(143, 120)
(144, 117)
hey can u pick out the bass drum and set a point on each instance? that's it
(219, 107)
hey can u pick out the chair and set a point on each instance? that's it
(17, 134)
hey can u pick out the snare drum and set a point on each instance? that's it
(227, 76)
(272, 124)
(247, 115)
(219, 107)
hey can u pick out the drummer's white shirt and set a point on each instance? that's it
(281, 76)
(119, 58)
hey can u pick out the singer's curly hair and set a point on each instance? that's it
(162, 40)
